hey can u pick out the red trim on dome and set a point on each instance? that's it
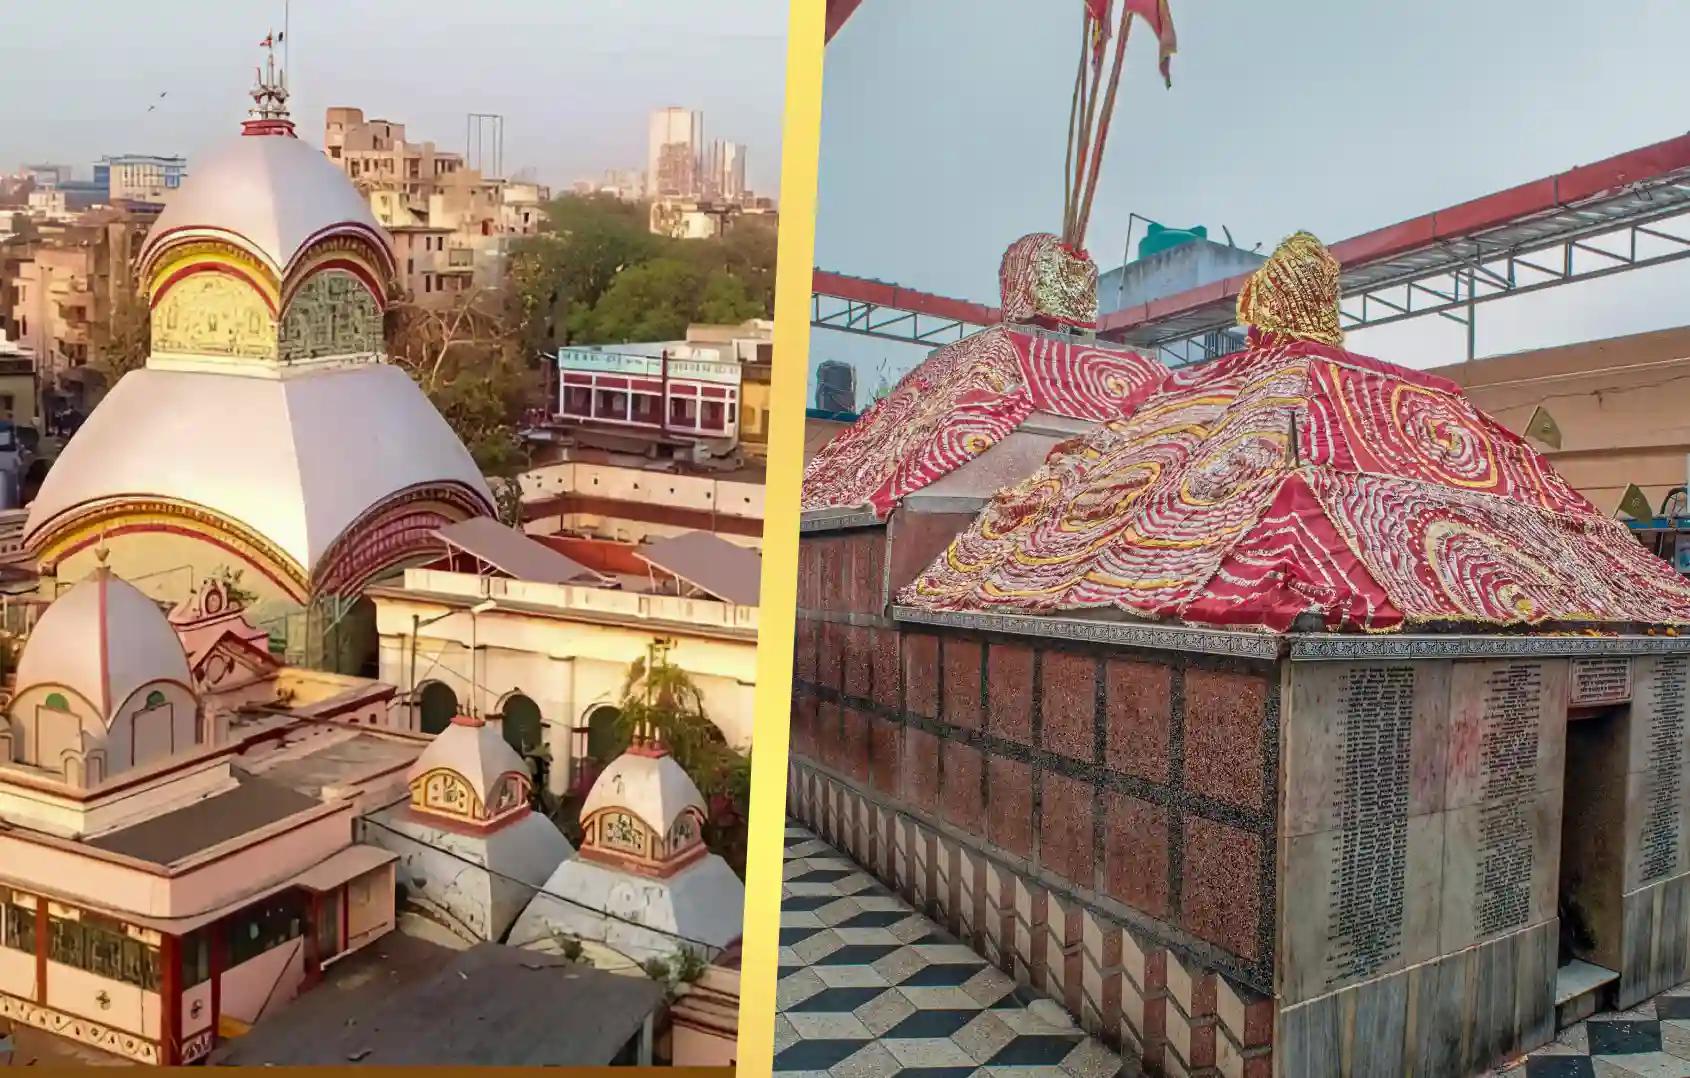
(268, 127)
(289, 588)
(345, 265)
(474, 721)
(210, 267)
(378, 239)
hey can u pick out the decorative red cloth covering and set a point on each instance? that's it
(960, 402)
(1297, 478)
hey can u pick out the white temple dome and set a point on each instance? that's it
(102, 640)
(298, 461)
(273, 196)
(654, 788)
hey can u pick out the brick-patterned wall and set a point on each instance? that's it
(1083, 815)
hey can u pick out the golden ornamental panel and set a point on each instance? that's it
(214, 314)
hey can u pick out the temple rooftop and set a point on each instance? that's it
(1296, 485)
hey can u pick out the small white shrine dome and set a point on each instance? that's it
(649, 785)
(474, 751)
(103, 641)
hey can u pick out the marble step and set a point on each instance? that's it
(1579, 991)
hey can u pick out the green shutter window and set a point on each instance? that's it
(155, 699)
(57, 702)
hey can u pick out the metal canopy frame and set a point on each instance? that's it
(1627, 212)
(878, 309)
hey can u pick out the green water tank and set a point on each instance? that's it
(1159, 238)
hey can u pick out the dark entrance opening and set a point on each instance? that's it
(521, 723)
(1592, 859)
(439, 705)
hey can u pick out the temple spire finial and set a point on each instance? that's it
(269, 94)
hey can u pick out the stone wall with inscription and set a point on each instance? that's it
(1656, 785)
(1422, 813)
(1655, 932)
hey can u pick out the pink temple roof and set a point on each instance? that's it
(1295, 478)
(961, 401)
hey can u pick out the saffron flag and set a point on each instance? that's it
(1155, 12)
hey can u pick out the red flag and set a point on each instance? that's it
(1100, 15)
(1155, 12)
(269, 40)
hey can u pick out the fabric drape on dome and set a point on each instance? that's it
(963, 400)
(1297, 478)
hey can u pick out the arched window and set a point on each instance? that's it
(439, 704)
(603, 745)
(56, 702)
(155, 699)
(521, 723)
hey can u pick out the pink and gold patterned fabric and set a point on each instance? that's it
(1042, 281)
(1295, 478)
(961, 401)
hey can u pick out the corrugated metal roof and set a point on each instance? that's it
(514, 553)
(708, 562)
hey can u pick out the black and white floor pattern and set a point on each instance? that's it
(870, 988)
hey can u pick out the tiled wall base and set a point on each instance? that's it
(1455, 1015)
(105, 1038)
(1656, 940)
(1122, 988)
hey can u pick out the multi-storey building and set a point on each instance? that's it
(62, 282)
(450, 224)
(139, 177)
(674, 155)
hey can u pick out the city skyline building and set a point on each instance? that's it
(675, 152)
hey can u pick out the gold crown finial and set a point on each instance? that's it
(1295, 293)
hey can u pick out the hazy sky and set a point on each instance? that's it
(574, 79)
(944, 123)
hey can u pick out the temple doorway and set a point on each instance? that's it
(1591, 881)
(521, 723)
(439, 705)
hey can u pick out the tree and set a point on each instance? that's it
(559, 279)
(557, 276)
(122, 341)
(465, 359)
(654, 301)
(659, 697)
(725, 300)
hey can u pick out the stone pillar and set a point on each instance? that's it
(170, 997)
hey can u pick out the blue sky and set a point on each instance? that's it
(575, 79)
(944, 123)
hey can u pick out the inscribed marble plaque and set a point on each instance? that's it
(1598, 682)
(1501, 840)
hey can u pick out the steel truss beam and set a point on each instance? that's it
(887, 323)
(1477, 272)
(1630, 211)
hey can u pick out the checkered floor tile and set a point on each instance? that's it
(870, 988)
(1652, 1040)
